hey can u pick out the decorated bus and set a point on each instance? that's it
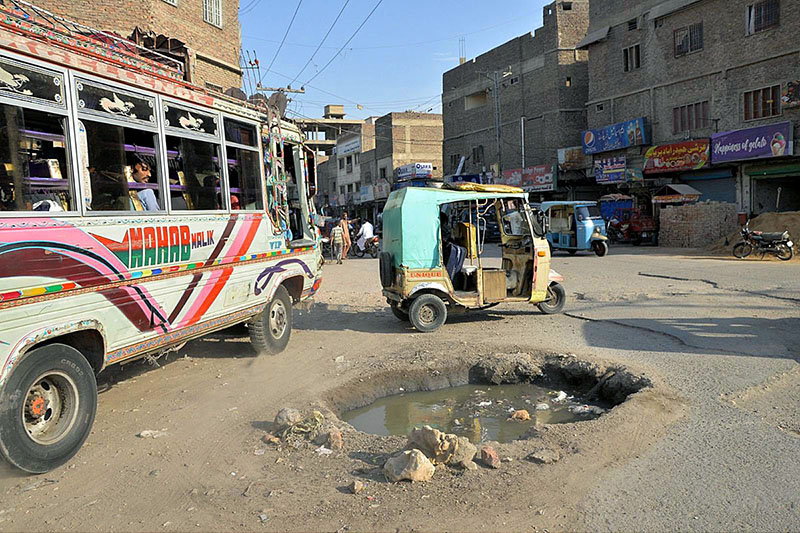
(137, 211)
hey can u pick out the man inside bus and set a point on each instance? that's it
(141, 174)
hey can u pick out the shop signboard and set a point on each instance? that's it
(763, 142)
(689, 155)
(571, 158)
(540, 178)
(790, 94)
(615, 137)
(415, 170)
(610, 169)
(367, 194)
(348, 147)
(381, 190)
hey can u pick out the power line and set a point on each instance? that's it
(278, 51)
(346, 43)
(249, 7)
(321, 42)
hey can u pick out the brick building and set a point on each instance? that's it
(209, 29)
(366, 160)
(711, 84)
(543, 82)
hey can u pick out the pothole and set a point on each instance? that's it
(481, 413)
(483, 402)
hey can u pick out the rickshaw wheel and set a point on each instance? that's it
(427, 313)
(600, 248)
(398, 312)
(556, 297)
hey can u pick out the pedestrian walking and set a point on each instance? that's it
(345, 225)
(337, 241)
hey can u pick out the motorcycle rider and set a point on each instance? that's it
(365, 234)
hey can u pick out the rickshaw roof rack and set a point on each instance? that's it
(25, 17)
(465, 186)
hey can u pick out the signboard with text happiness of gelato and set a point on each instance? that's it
(763, 142)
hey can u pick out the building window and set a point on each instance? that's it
(341, 164)
(762, 16)
(632, 58)
(514, 80)
(688, 39)
(349, 187)
(566, 6)
(383, 173)
(690, 117)
(349, 164)
(568, 83)
(599, 108)
(477, 154)
(481, 98)
(455, 159)
(212, 12)
(762, 103)
(341, 189)
(633, 24)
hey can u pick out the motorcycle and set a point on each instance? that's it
(371, 247)
(633, 226)
(778, 244)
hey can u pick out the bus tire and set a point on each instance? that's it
(427, 313)
(47, 408)
(270, 330)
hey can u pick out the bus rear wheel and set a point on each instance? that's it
(270, 330)
(48, 407)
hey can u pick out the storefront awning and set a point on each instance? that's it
(783, 171)
(668, 7)
(677, 193)
(593, 37)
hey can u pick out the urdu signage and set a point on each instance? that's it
(615, 137)
(610, 169)
(690, 155)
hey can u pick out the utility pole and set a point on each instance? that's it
(497, 119)
(301, 90)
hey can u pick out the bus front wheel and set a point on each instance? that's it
(270, 330)
(47, 408)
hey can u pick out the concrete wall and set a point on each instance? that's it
(534, 98)
(217, 49)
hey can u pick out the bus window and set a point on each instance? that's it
(34, 168)
(194, 178)
(244, 173)
(122, 168)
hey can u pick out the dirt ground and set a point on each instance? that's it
(712, 445)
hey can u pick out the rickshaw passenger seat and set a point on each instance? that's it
(454, 259)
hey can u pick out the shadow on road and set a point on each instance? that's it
(745, 336)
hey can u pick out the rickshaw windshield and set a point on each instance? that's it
(586, 212)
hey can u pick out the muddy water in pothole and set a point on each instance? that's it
(478, 412)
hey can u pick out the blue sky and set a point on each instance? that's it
(396, 60)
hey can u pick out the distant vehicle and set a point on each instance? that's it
(778, 244)
(576, 226)
(632, 226)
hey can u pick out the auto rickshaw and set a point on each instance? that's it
(576, 226)
(433, 259)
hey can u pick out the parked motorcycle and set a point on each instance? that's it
(371, 247)
(778, 244)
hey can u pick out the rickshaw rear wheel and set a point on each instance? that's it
(399, 312)
(556, 298)
(427, 313)
(600, 248)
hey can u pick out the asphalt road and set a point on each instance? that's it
(725, 334)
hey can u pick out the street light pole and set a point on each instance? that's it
(497, 119)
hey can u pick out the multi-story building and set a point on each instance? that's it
(367, 160)
(701, 91)
(203, 34)
(542, 80)
(322, 133)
